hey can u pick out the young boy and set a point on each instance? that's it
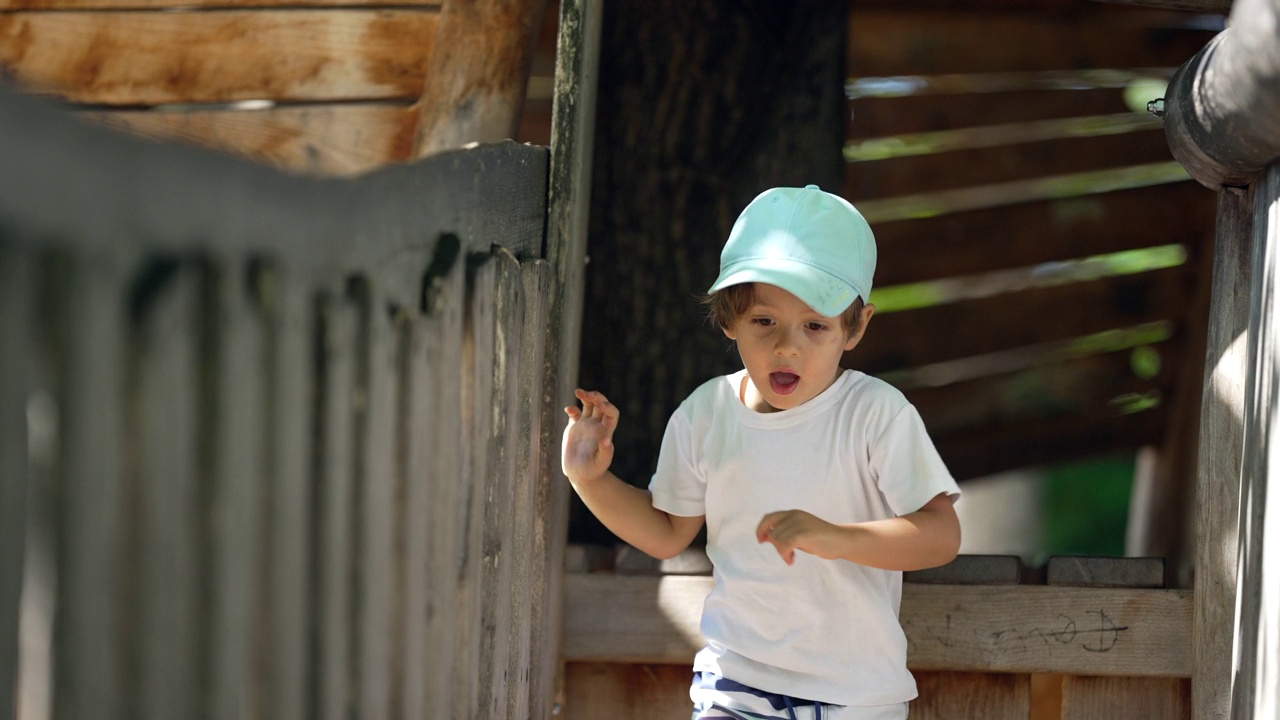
(819, 486)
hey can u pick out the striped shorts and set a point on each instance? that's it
(719, 698)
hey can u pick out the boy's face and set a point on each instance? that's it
(790, 351)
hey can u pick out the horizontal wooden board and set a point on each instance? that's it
(626, 692)
(1049, 442)
(346, 139)
(154, 58)
(1113, 698)
(963, 329)
(1001, 164)
(202, 4)
(893, 42)
(1028, 234)
(1106, 571)
(880, 117)
(990, 696)
(1015, 629)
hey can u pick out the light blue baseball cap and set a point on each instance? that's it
(813, 244)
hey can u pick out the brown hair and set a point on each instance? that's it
(726, 305)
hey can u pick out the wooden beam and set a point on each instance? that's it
(992, 696)
(871, 117)
(194, 5)
(1204, 6)
(155, 58)
(1092, 698)
(475, 83)
(15, 317)
(627, 692)
(1007, 629)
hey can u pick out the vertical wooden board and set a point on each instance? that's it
(416, 393)
(627, 692)
(15, 272)
(991, 696)
(376, 485)
(1118, 698)
(91, 581)
(437, 472)
(527, 602)
(292, 411)
(334, 503)
(499, 518)
(236, 495)
(477, 363)
(167, 382)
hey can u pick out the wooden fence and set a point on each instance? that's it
(272, 446)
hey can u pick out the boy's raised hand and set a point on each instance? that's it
(792, 530)
(587, 450)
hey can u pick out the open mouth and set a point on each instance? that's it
(783, 383)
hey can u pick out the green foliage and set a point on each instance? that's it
(1087, 507)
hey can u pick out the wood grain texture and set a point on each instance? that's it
(15, 303)
(1009, 629)
(972, 570)
(154, 58)
(1217, 509)
(991, 696)
(1106, 572)
(627, 692)
(330, 140)
(1115, 698)
(873, 117)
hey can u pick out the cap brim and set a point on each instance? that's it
(825, 293)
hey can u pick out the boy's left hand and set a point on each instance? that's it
(791, 530)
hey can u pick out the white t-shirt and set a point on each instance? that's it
(823, 630)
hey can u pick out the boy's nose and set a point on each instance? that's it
(787, 343)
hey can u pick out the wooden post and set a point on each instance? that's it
(1256, 694)
(475, 84)
(14, 272)
(1218, 478)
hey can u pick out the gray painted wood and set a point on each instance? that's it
(527, 598)
(477, 403)
(91, 577)
(972, 570)
(288, 519)
(1257, 681)
(413, 481)
(236, 497)
(568, 204)
(15, 306)
(335, 504)
(1106, 572)
(171, 606)
(1218, 468)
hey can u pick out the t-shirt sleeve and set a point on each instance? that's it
(677, 486)
(908, 469)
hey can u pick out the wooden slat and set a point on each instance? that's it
(1106, 572)
(872, 117)
(963, 329)
(189, 5)
(498, 535)
(1116, 698)
(237, 497)
(991, 696)
(153, 58)
(884, 42)
(332, 662)
(989, 165)
(972, 570)
(293, 408)
(171, 604)
(1008, 629)
(627, 692)
(1028, 234)
(15, 304)
(337, 140)
(526, 597)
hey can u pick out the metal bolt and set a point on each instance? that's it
(1156, 107)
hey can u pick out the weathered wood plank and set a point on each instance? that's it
(15, 306)
(627, 692)
(991, 165)
(339, 140)
(991, 696)
(1217, 510)
(1028, 234)
(477, 398)
(1106, 572)
(872, 117)
(500, 511)
(918, 337)
(171, 602)
(972, 570)
(526, 598)
(237, 494)
(155, 58)
(293, 409)
(892, 42)
(333, 664)
(1117, 698)
(1008, 629)
(189, 5)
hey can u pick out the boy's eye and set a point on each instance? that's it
(763, 321)
(816, 326)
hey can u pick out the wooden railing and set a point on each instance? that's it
(271, 446)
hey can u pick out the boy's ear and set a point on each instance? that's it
(729, 333)
(864, 319)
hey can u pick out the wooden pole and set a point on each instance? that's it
(1256, 694)
(475, 86)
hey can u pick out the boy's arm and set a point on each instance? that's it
(925, 538)
(627, 511)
